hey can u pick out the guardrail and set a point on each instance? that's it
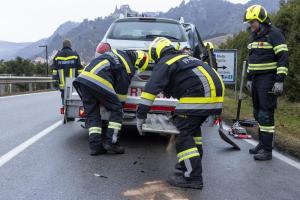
(7, 83)
(24, 79)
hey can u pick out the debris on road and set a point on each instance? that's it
(101, 176)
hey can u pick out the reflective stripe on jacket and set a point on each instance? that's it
(66, 63)
(268, 53)
(198, 87)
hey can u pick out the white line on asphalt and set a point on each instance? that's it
(21, 95)
(17, 150)
(276, 154)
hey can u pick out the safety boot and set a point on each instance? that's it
(114, 148)
(97, 150)
(191, 182)
(255, 149)
(263, 155)
(95, 144)
(179, 167)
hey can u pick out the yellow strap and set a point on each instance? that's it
(123, 60)
(122, 97)
(281, 47)
(66, 58)
(210, 81)
(189, 156)
(98, 78)
(176, 58)
(186, 151)
(114, 125)
(148, 96)
(62, 78)
(262, 68)
(267, 127)
(203, 100)
(99, 65)
(71, 72)
(282, 70)
(198, 140)
(263, 64)
(96, 130)
(222, 83)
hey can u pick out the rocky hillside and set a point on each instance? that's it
(212, 17)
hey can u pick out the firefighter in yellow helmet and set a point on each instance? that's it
(105, 81)
(267, 69)
(210, 53)
(200, 92)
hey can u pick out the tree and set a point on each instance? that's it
(21, 67)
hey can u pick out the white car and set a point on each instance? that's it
(136, 33)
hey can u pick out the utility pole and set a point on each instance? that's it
(46, 47)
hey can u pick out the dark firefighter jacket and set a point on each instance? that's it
(268, 53)
(112, 71)
(197, 86)
(66, 63)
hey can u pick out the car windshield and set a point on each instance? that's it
(140, 30)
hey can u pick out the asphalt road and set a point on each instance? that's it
(58, 165)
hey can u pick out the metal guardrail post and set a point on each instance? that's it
(10, 88)
(2, 89)
(30, 87)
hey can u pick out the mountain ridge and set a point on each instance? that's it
(207, 15)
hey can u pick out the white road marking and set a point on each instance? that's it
(21, 95)
(17, 150)
(276, 154)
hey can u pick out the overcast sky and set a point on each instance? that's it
(31, 20)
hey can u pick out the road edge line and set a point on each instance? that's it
(21, 147)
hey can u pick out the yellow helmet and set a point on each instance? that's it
(211, 46)
(256, 12)
(140, 60)
(158, 47)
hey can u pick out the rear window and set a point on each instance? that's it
(141, 30)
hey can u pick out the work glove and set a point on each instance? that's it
(139, 124)
(249, 87)
(278, 88)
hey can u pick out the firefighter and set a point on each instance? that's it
(200, 92)
(210, 50)
(66, 63)
(105, 81)
(267, 69)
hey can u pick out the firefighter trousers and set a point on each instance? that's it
(264, 105)
(91, 101)
(189, 144)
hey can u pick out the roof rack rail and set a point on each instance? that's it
(181, 20)
(135, 14)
